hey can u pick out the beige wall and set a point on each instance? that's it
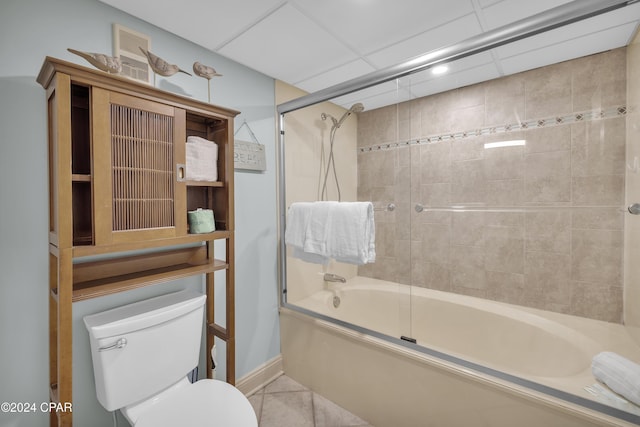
(306, 145)
(632, 222)
(562, 259)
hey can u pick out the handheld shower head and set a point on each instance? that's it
(355, 108)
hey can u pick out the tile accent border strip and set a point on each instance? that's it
(584, 116)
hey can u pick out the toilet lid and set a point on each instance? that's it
(205, 403)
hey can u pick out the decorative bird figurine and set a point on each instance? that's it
(202, 70)
(160, 66)
(207, 72)
(109, 64)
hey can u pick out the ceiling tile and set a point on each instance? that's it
(456, 80)
(450, 33)
(570, 49)
(574, 31)
(288, 46)
(507, 11)
(369, 25)
(206, 27)
(337, 75)
(455, 67)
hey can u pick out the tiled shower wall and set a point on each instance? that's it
(547, 226)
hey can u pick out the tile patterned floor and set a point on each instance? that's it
(285, 403)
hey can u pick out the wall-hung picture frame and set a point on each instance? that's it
(126, 45)
(249, 155)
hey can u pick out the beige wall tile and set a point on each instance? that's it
(599, 81)
(598, 218)
(467, 228)
(468, 182)
(504, 249)
(435, 162)
(548, 231)
(504, 163)
(548, 91)
(606, 190)
(548, 177)
(505, 287)
(598, 147)
(550, 273)
(555, 138)
(505, 100)
(505, 193)
(596, 256)
(602, 302)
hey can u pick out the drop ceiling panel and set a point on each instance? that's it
(444, 35)
(459, 66)
(337, 75)
(570, 49)
(456, 80)
(368, 25)
(288, 46)
(507, 11)
(595, 25)
(214, 22)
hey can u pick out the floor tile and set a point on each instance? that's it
(328, 414)
(286, 403)
(283, 384)
(287, 409)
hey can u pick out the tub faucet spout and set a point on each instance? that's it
(330, 277)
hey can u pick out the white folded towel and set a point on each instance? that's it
(201, 159)
(319, 231)
(295, 235)
(619, 374)
(352, 236)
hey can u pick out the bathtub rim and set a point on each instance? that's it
(524, 388)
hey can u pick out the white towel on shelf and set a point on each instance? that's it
(201, 159)
(619, 374)
(319, 231)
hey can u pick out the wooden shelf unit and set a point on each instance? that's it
(118, 206)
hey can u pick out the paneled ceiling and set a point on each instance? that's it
(315, 44)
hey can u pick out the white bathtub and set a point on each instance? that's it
(550, 349)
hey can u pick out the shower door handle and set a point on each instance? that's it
(634, 209)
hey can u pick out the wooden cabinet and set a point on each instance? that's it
(119, 200)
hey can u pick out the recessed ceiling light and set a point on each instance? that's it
(440, 69)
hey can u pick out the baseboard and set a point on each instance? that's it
(261, 376)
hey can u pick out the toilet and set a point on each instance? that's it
(142, 353)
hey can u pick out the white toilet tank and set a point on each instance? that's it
(141, 349)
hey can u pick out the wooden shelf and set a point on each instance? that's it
(83, 251)
(78, 177)
(204, 183)
(126, 282)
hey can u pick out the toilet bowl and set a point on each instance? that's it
(203, 403)
(142, 353)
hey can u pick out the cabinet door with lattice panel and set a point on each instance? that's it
(138, 158)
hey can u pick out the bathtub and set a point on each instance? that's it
(533, 356)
